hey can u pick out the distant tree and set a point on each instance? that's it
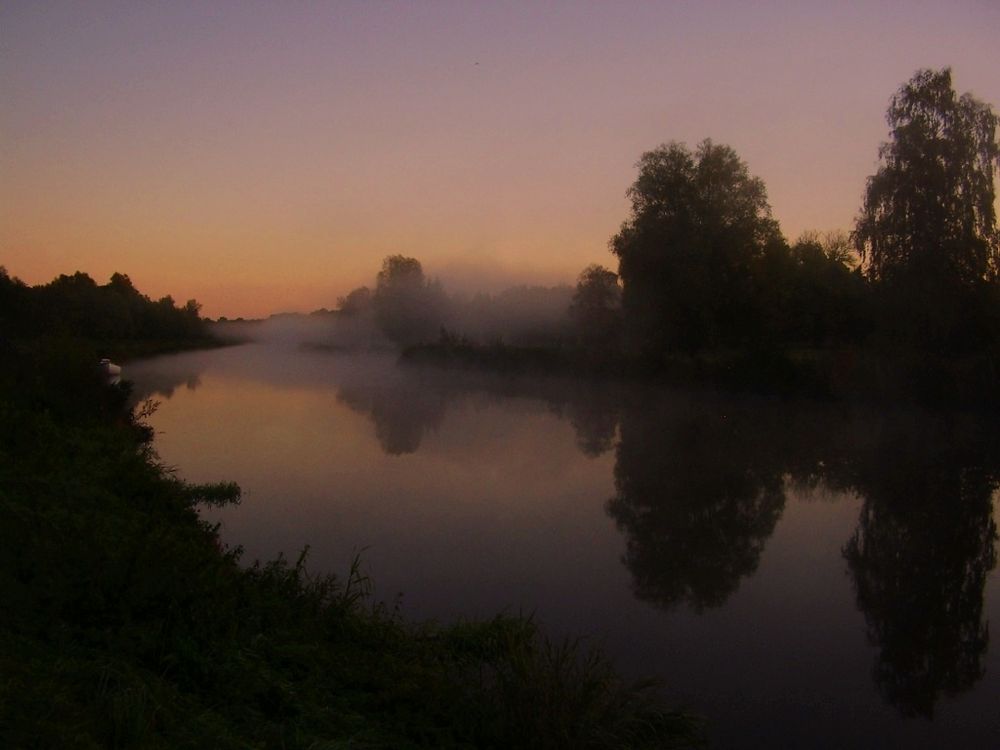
(356, 301)
(16, 312)
(408, 307)
(596, 307)
(835, 246)
(521, 315)
(120, 282)
(930, 208)
(698, 223)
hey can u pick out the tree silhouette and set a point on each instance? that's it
(927, 230)
(929, 210)
(408, 308)
(596, 307)
(698, 223)
(75, 306)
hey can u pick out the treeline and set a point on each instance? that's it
(907, 303)
(76, 307)
(704, 266)
(407, 308)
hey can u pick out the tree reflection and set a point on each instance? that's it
(920, 556)
(698, 495)
(594, 420)
(402, 413)
(700, 486)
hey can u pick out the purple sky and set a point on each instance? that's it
(266, 156)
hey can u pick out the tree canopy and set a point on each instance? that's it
(698, 223)
(596, 306)
(929, 210)
(408, 307)
(76, 306)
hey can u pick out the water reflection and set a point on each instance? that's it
(406, 407)
(701, 482)
(155, 382)
(402, 414)
(701, 485)
(699, 492)
(920, 556)
(595, 423)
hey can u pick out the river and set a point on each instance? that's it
(801, 574)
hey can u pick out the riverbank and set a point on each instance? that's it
(843, 374)
(128, 624)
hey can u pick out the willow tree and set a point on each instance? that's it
(930, 209)
(927, 231)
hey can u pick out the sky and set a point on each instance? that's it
(265, 156)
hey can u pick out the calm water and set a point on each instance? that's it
(802, 575)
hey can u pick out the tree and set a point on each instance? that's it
(408, 307)
(356, 302)
(686, 253)
(596, 307)
(927, 231)
(929, 211)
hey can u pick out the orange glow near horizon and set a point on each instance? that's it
(266, 158)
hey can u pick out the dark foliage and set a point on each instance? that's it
(699, 223)
(927, 230)
(596, 308)
(77, 307)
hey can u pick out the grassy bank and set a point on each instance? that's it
(127, 624)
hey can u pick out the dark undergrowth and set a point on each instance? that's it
(125, 623)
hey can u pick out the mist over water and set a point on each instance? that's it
(779, 565)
